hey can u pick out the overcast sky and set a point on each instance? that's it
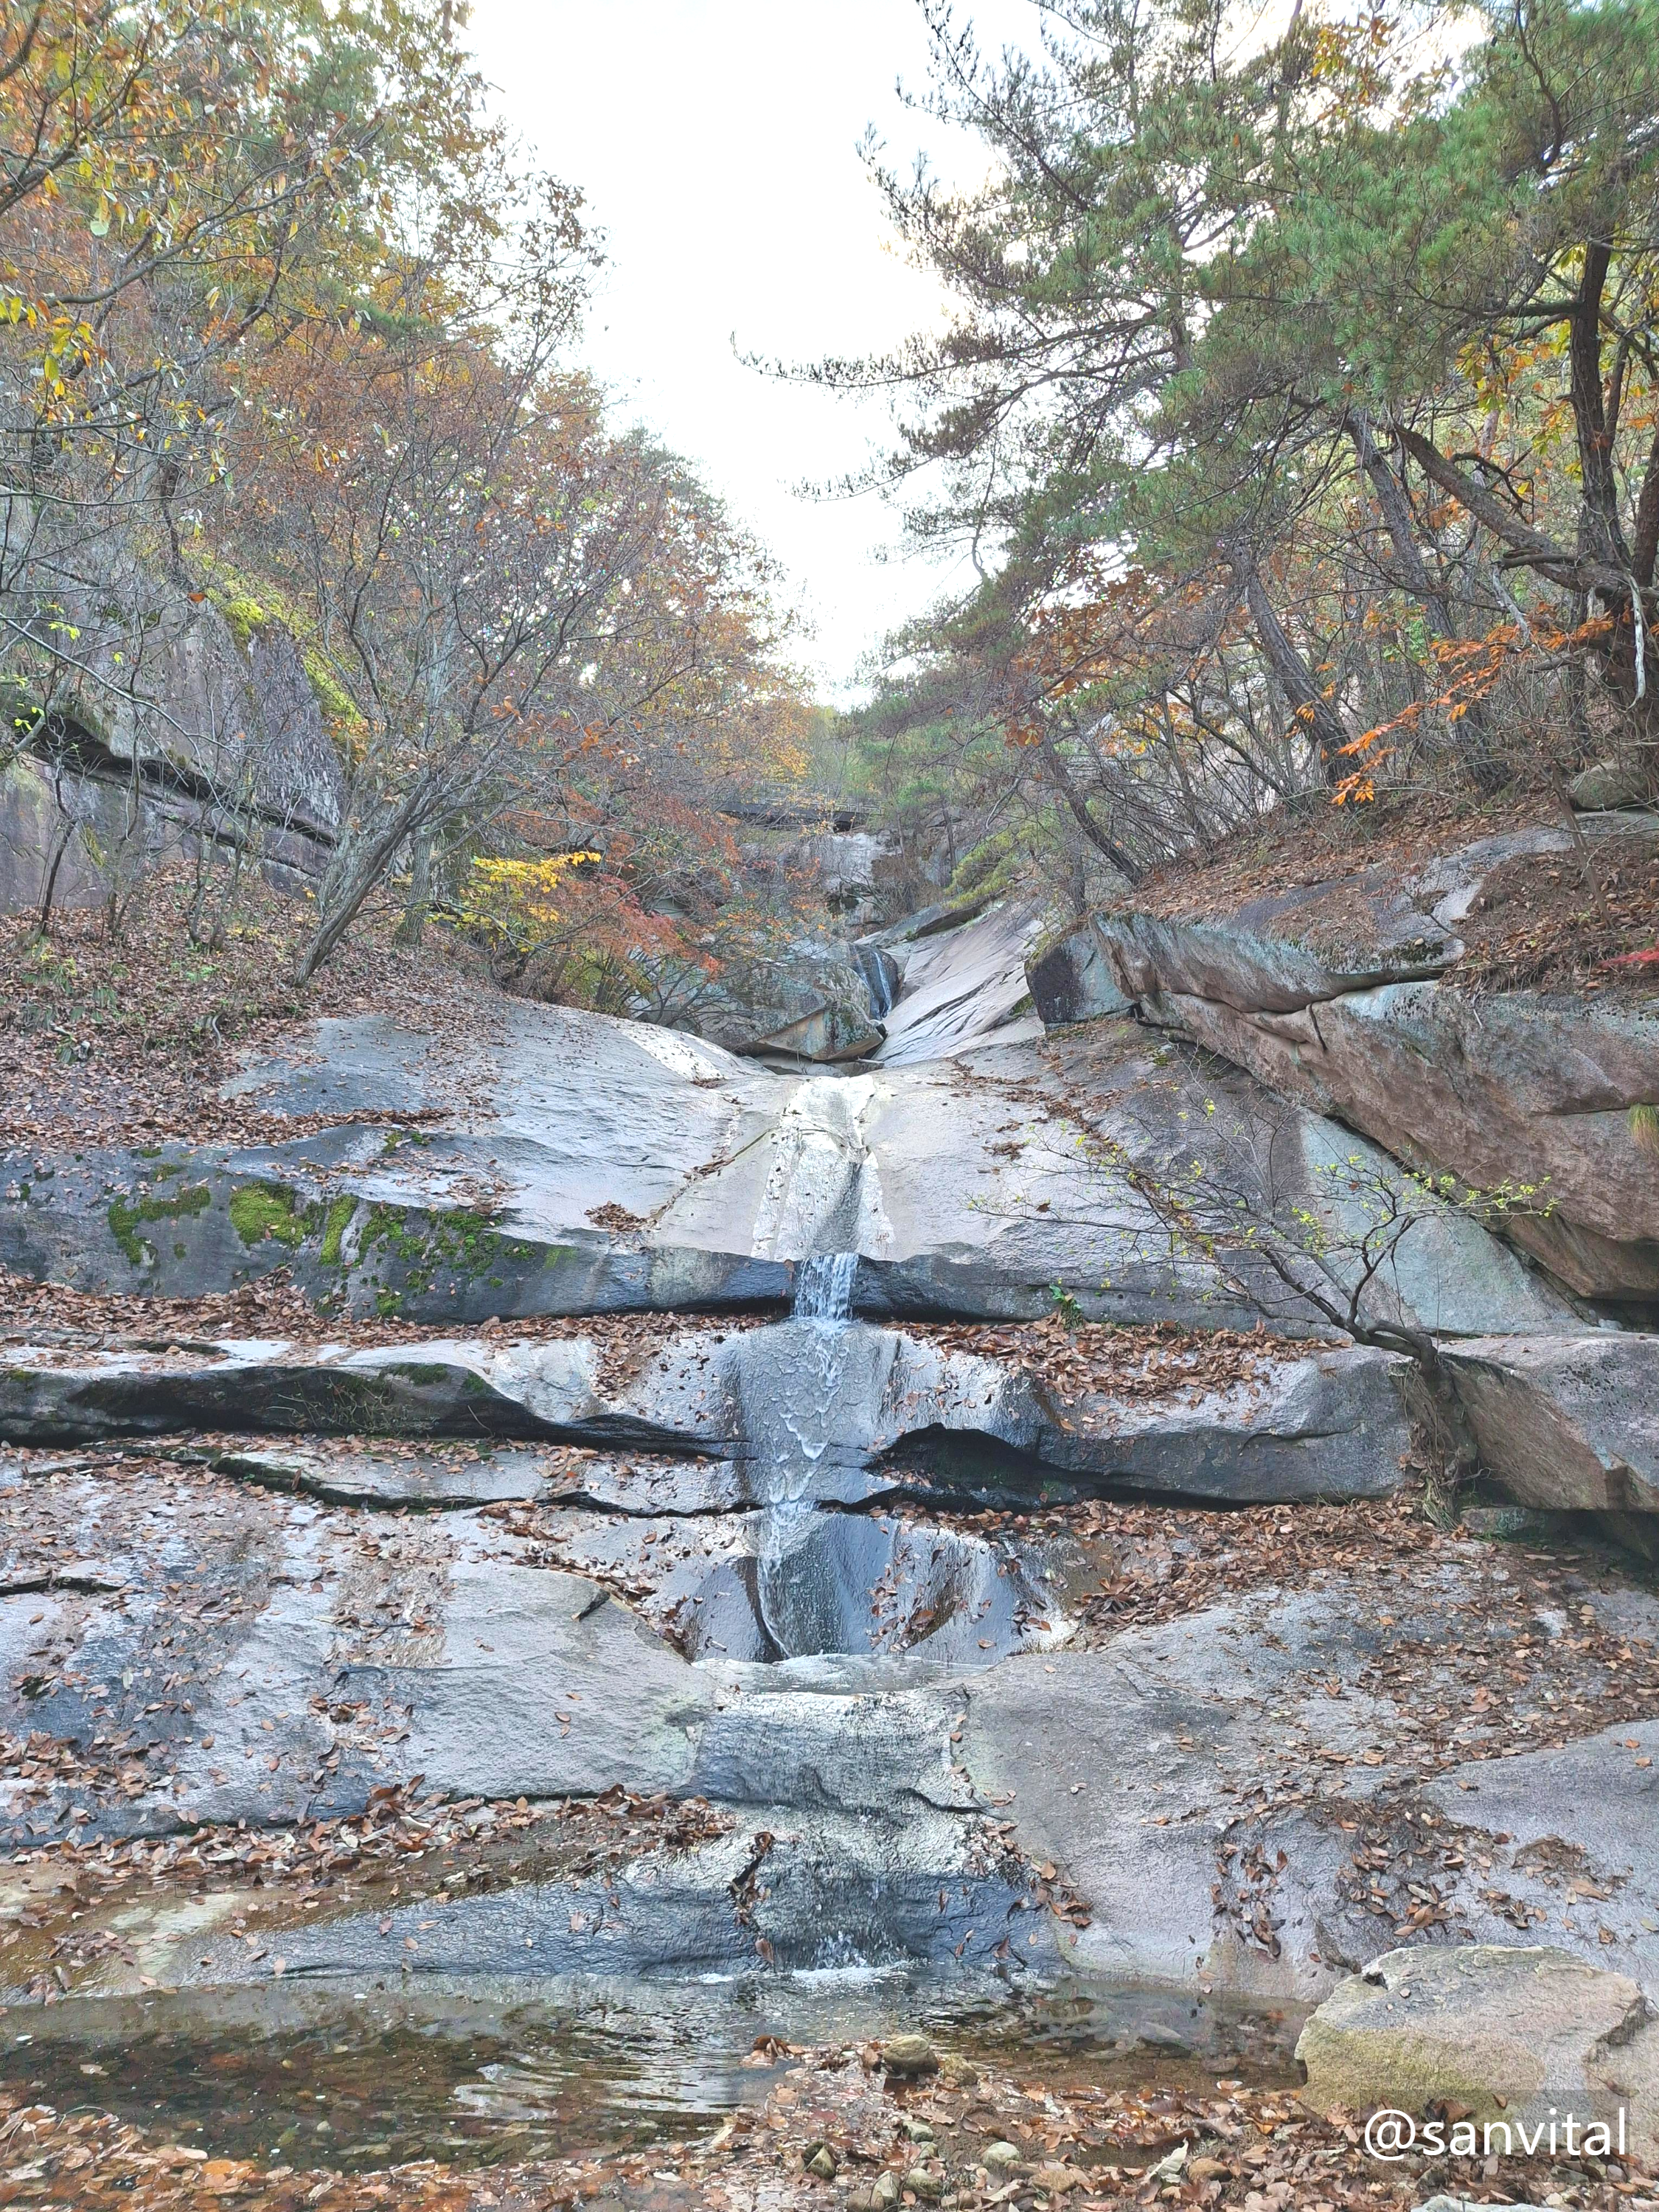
(716, 143)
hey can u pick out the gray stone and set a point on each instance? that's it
(801, 1412)
(1610, 784)
(1257, 1726)
(1522, 1097)
(963, 987)
(1328, 994)
(909, 2054)
(1071, 977)
(580, 1163)
(1566, 1423)
(813, 1003)
(1520, 2035)
(220, 742)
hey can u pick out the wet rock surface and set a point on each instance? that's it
(801, 1411)
(581, 1164)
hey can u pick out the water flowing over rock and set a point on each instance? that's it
(816, 1565)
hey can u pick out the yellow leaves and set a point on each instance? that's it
(513, 896)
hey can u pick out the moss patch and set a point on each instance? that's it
(334, 1229)
(259, 1210)
(125, 1220)
(462, 1243)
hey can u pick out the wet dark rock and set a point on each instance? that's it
(1072, 978)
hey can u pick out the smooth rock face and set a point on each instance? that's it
(1072, 978)
(966, 985)
(1520, 2035)
(219, 1651)
(1518, 1092)
(1168, 1773)
(1567, 1422)
(815, 1004)
(572, 1163)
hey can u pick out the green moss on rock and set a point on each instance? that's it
(259, 1210)
(334, 1229)
(125, 1220)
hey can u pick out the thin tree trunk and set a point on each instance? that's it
(420, 888)
(1488, 771)
(1312, 709)
(1100, 838)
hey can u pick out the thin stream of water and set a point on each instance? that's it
(824, 1284)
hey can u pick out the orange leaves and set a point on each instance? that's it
(1473, 667)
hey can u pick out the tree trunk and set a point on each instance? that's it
(1100, 838)
(1488, 771)
(420, 888)
(1313, 709)
(1398, 520)
(1601, 537)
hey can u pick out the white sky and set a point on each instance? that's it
(715, 142)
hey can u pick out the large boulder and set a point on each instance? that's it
(1569, 1423)
(814, 1003)
(799, 1412)
(1515, 2037)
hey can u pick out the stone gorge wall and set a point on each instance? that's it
(207, 739)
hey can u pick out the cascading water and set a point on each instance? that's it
(793, 1424)
(877, 969)
(814, 1394)
(823, 1287)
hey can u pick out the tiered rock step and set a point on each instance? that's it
(1247, 1773)
(1266, 1421)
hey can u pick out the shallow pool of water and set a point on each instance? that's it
(473, 2076)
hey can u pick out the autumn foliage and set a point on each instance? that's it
(287, 329)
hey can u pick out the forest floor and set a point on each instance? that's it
(127, 1040)
(1563, 921)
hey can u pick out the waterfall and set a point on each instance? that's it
(873, 966)
(823, 1287)
(799, 1402)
